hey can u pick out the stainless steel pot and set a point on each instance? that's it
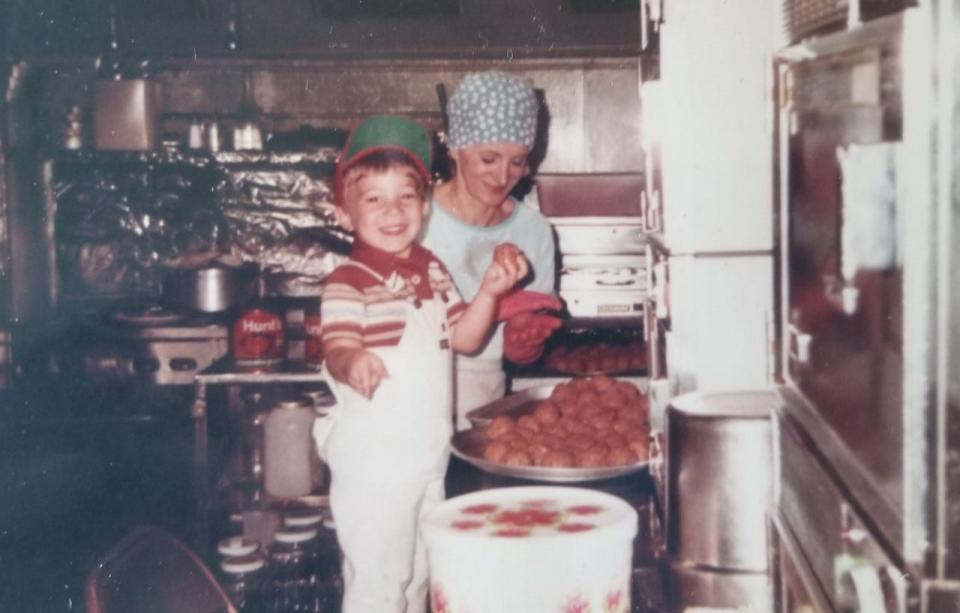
(212, 288)
(719, 479)
(689, 588)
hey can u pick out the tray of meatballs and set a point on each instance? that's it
(585, 429)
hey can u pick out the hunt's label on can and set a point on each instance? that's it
(258, 339)
(313, 352)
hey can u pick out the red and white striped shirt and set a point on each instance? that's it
(364, 298)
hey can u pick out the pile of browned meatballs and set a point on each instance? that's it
(601, 357)
(585, 423)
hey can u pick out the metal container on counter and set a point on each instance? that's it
(211, 288)
(125, 113)
(719, 478)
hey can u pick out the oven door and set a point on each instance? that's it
(843, 350)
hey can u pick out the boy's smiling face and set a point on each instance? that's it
(384, 208)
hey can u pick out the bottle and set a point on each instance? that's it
(313, 345)
(293, 581)
(243, 581)
(288, 445)
(255, 412)
(258, 338)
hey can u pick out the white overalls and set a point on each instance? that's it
(388, 457)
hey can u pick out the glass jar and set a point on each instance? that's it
(243, 581)
(303, 518)
(293, 578)
(236, 546)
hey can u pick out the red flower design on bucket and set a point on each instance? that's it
(479, 509)
(512, 533)
(576, 604)
(527, 517)
(585, 509)
(439, 602)
(575, 527)
(466, 524)
(613, 600)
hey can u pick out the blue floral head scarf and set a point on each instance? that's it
(491, 107)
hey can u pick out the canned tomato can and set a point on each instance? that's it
(258, 340)
(313, 351)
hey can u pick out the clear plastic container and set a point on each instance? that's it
(243, 581)
(290, 456)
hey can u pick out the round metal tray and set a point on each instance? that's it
(468, 446)
(593, 373)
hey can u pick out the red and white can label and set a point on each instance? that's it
(313, 350)
(258, 339)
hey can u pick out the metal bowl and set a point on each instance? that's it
(468, 446)
(516, 404)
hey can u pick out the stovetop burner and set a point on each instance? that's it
(145, 314)
(155, 321)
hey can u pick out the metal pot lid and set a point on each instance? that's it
(752, 404)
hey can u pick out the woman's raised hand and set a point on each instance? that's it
(508, 267)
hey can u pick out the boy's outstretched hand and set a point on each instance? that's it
(360, 369)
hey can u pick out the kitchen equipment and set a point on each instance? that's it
(468, 446)
(146, 344)
(125, 114)
(211, 288)
(690, 587)
(214, 139)
(602, 261)
(195, 134)
(600, 239)
(718, 487)
(247, 136)
(246, 131)
(481, 548)
(718, 478)
(519, 402)
(866, 512)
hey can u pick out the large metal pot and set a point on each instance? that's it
(719, 479)
(211, 288)
(688, 588)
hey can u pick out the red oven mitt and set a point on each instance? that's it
(526, 331)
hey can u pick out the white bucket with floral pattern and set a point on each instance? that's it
(530, 550)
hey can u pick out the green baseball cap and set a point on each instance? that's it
(383, 133)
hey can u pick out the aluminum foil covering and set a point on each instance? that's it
(120, 217)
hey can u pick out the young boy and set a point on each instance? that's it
(391, 317)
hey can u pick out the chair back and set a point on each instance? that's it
(151, 571)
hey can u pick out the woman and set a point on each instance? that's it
(493, 126)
